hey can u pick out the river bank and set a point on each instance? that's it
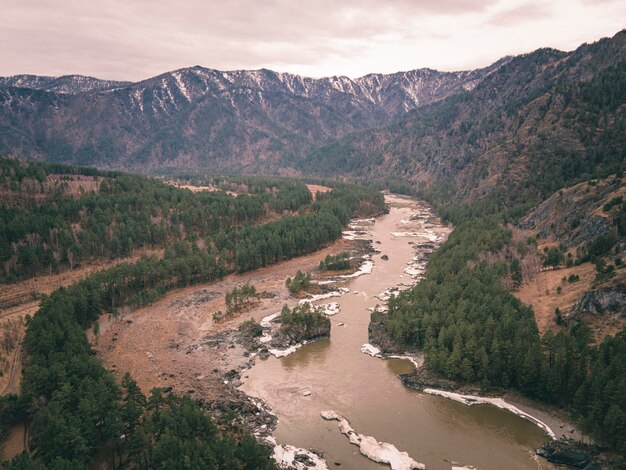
(554, 421)
(557, 420)
(334, 374)
(175, 343)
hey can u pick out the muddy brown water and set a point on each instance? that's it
(435, 431)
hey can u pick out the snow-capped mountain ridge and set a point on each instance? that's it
(263, 121)
(65, 84)
(393, 94)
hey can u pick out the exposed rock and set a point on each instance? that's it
(384, 257)
(608, 300)
(574, 216)
(292, 458)
(566, 453)
(422, 378)
(196, 298)
(378, 336)
(298, 335)
(228, 336)
(267, 295)
(305, 459)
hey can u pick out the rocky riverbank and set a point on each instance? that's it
(176, 343)
(565, 447)
(574, 454)
(254, 415)
(552, 420)
(281, 334)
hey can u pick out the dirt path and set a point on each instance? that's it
(15, 371)
(172, 342)
(22, 298)
(23, 293)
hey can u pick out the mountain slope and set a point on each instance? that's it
(67, 84)
(485, 130)
(496, 136)
(203, 118)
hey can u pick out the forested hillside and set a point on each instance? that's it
(485, 159)
(54, 217)
(534, 125)
(474, 330)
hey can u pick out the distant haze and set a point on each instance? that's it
(136, 39)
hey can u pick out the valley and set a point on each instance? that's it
(335, 374)
(174, 343)
(420, 269)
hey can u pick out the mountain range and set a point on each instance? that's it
(483, 129)
(204, 118)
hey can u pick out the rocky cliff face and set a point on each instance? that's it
(299, 332)
(574, 216)
(586, 221)
(603, 301)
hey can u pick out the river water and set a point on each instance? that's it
(366, 390)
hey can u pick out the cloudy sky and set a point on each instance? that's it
(136, 39)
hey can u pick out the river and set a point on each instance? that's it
(366, 390)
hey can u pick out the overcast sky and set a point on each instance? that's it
(136, 39)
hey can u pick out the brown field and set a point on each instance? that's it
(14, 443)
(315, 188)
(168, 344)
(541, 292)
(195, 189)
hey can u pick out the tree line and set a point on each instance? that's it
(472, 329)
(337, 262)
(56, 231)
